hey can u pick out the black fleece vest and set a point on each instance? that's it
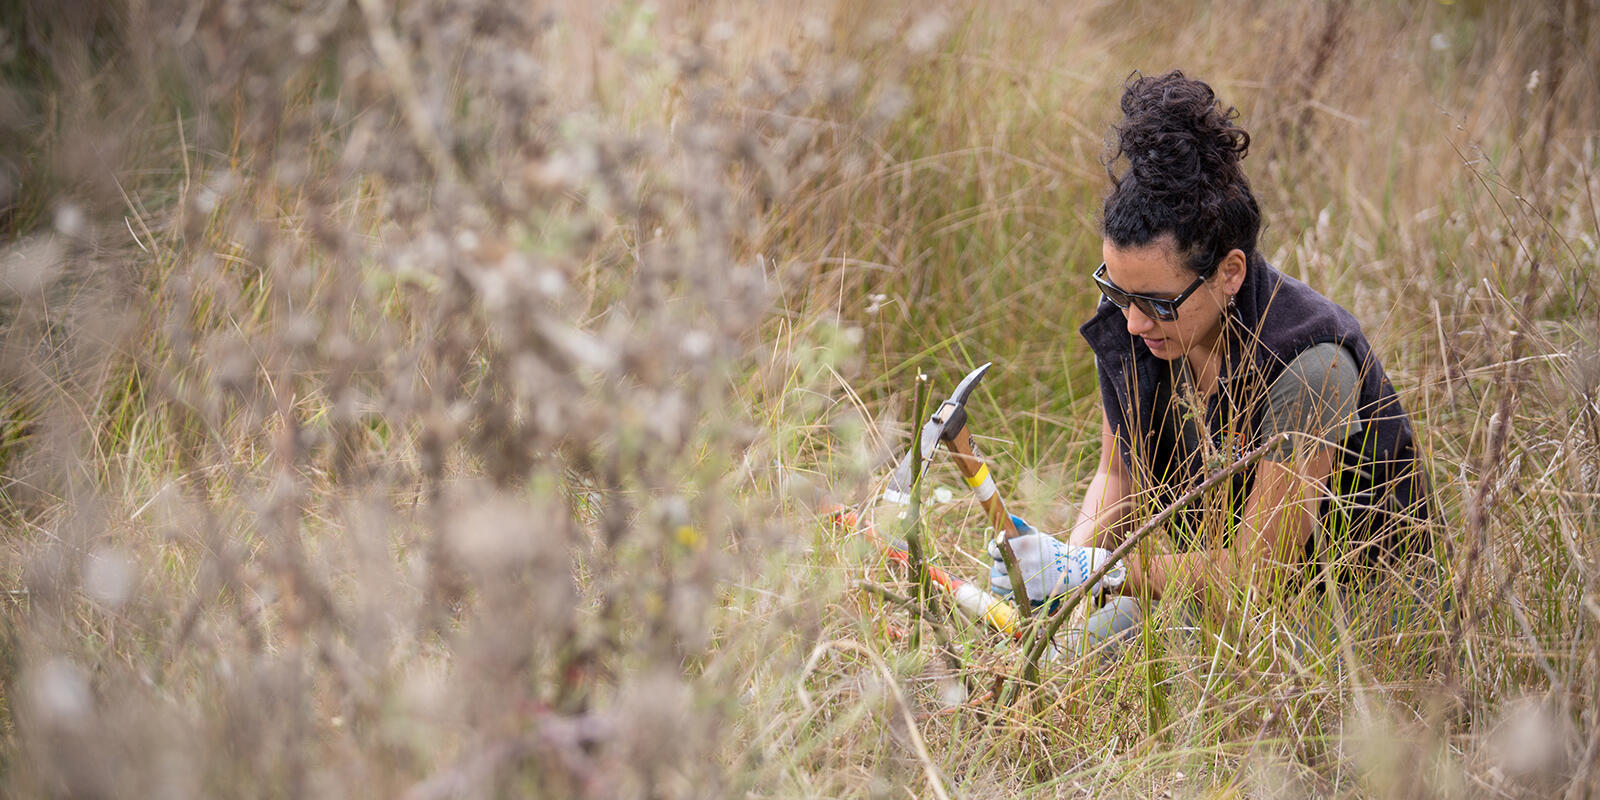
(1379, 496)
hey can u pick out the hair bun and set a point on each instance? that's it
(1176, 137)
(1183, 175)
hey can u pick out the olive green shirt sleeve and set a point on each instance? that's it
(1317, 394)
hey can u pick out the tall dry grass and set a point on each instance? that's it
(438, 398)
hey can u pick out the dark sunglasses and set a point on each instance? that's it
(1164, 309)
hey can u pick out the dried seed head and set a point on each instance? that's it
(57, 692)
(108, 576)
(70, 221)
(494, 533)
(31, 264)
(659, 708)
(926, 33)
(1533, 740)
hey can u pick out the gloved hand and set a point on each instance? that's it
(999, 579)
(1049, 566)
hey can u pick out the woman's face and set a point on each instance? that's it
(1154, 270)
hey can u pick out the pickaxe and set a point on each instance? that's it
(949, 425)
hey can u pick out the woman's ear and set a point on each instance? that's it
(1232, 270)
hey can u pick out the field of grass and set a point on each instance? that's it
(444, 398)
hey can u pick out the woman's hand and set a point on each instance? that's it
(1049, 566)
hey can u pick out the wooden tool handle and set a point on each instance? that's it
(976, 472)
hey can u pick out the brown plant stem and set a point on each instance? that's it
(912, 530)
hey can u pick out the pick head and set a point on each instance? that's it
(968, 384)
(952, 413)
(946, 420)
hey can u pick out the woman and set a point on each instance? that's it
(1204, 352)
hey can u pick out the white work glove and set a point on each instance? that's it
(1049, 566)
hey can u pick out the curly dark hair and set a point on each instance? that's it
(1183, 176)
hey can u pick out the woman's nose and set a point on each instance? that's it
(1138, 323)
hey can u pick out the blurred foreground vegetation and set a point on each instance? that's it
(442, 398)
